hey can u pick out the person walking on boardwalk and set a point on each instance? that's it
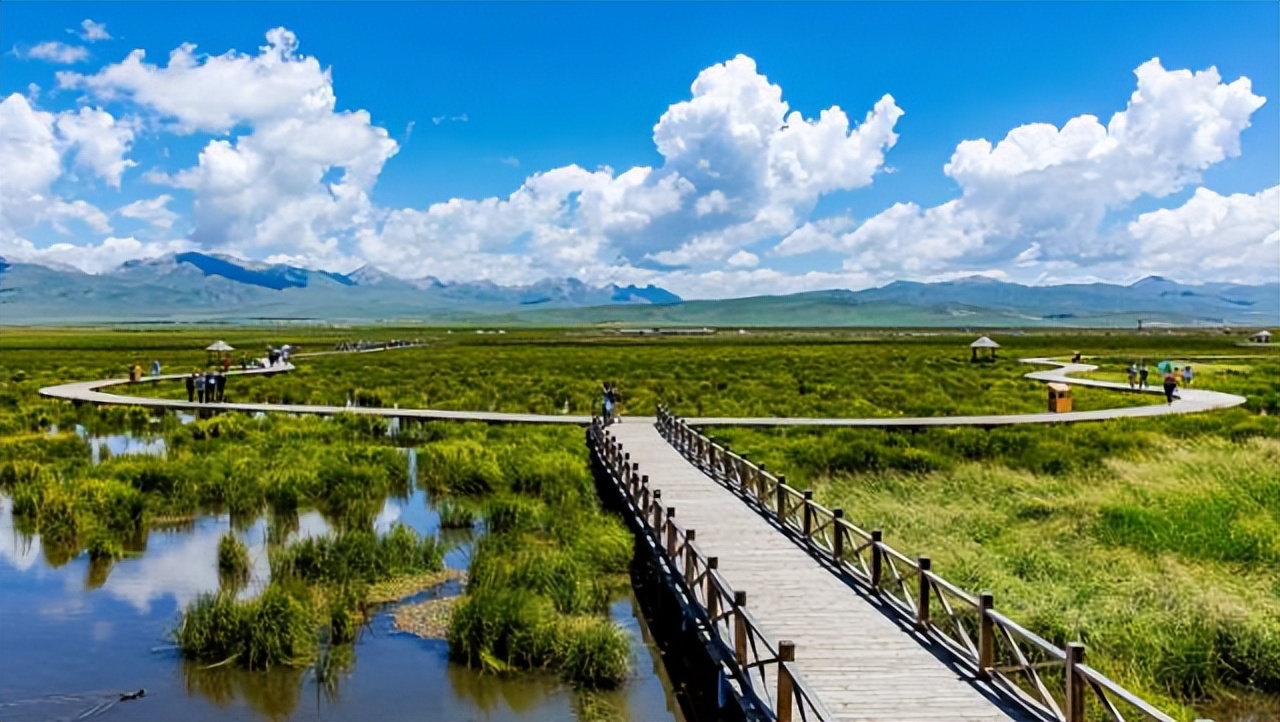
(1170, 385)
(199, 382)
(210, 386)
(191, 387)
(155, 367)
(1187, 375)
(1143, 373)
(606, 404)
(220, 380)
(1133, 375)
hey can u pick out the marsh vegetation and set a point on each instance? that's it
(1153, 540)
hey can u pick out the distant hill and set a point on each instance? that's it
(206, 287)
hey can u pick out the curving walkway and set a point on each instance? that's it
(1192, 401)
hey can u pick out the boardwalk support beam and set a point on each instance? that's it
(877, 559)
(1075, 683)
(922, 599)
(986, 635)
(740, 627)
(786, 653)
(837, 536)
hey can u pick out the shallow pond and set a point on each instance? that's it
(75, 635)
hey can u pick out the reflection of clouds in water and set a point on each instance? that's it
(390, 514)
(185, 564)
(182, 565)
(19, 551)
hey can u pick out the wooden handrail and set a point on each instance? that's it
(762, 669)
(1013, 657)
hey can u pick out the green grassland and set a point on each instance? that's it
(1153, 540)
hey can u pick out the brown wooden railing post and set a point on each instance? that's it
(877, 559)
(710, 592)
(807, 524)
(837, 536)
(671, 533)
(922, 599)
(986, 634)
(644, 506)
(782, 499)
(1075, 685)
(740, 628)
(786, 653)
(690, 557)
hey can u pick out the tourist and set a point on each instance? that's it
(226, 363)
(1187, 376)
(1133, 375)
(199, 382)
(135, 373)
(1143, 373)
(155, 368)
(220, 385)
(210, 387)
(607, 404)
(1170, 385)
(191, 387)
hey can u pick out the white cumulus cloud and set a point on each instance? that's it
(1051, 188)
(296, 174)
(55, 52)
(92, 32)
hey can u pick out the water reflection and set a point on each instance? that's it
(104, 626)
(109, 445)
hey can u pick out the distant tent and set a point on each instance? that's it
(1261, 337)
(984, 342)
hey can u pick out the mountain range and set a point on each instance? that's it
(193, 287)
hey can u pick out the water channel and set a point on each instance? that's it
(77, 634)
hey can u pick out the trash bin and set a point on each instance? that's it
(1059, 398)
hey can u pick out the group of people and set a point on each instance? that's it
(373, 345)
(206, 387)
(1174, 376)
(278, 355)
(609, 405)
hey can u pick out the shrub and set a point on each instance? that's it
(233, 557)
(597, 653)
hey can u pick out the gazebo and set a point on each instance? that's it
(1263, 336)
(218, 347)
(981, 343)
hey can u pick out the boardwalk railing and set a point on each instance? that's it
(1051, 681)
(761, 670)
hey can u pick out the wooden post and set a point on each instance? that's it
(740, 628)
(1075, 683)
(807, 524)
(644, 505)
(922, 599)
(877, 559)
(710, 592)
(671, 533)
(690, 557)
(837, 535)
(786, 653)
(644, 481)
(986, 635)
(782, 499)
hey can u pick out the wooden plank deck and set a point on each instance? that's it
(1192, 401)
(861, 665)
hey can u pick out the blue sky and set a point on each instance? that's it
(516, 142)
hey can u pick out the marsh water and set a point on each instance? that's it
(76, 634)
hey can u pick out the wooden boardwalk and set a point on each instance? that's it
(858, 661)
(1192, 401)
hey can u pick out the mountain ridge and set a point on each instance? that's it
(197, 286)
